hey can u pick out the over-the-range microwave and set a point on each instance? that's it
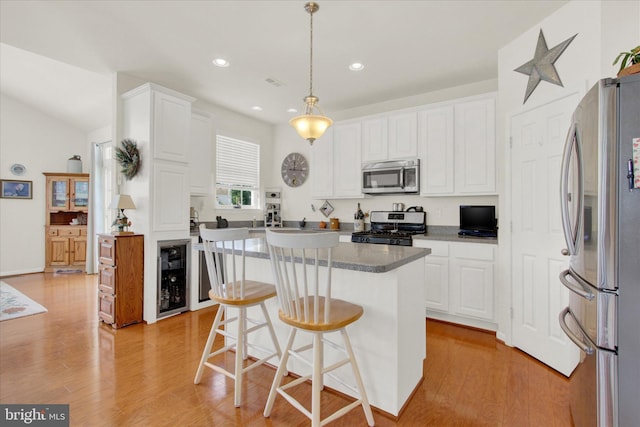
(396, 176)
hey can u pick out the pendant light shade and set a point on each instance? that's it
(312, 124)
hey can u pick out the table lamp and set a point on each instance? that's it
(122, 202)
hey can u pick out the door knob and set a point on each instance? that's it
(565, 252)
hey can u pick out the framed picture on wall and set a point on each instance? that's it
(11, 189)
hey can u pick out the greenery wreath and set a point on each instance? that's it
(128, 158)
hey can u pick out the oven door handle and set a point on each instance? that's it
(587, 348)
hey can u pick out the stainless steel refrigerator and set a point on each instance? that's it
(601, 221)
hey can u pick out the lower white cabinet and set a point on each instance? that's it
(459, 282)
(437, 277)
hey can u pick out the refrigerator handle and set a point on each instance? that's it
(582, 288)
(630, 177)
(570, 230)
(587, 348)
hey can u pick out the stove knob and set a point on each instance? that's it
(366, 240)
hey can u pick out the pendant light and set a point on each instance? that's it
(310, 125)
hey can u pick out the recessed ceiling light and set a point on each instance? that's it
(292, 110)
(220, 62)
(256, 108)
(356, 66)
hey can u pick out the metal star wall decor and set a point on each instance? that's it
(541, 66)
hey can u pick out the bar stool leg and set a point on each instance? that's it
(356, 372)
(282, 369)
(316, 380)
(207, 348)
(240, 337)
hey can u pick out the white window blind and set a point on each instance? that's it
(237, 163)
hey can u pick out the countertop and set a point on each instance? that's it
(434, 232)
(352, 256)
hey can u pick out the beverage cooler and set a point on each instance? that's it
(173, 277)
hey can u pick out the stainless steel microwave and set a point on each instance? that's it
(397, 176)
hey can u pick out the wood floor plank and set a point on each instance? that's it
(142, 375)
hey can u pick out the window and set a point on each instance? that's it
(237, 173)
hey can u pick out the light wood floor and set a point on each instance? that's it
(142, 375)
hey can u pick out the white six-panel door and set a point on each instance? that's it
(537, 140)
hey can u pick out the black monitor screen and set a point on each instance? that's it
(478, 218)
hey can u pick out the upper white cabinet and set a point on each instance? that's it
(390, 137)
(457, 148)
(403, 136)
(201, 149)
(475, 146)
(347, 143)
(321, 163)
(436, 150)
(375, 139)
(171, 122)
(336, 162)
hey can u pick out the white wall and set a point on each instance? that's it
(604, 28)
(42, 144)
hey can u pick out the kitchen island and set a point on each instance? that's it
(389, 340)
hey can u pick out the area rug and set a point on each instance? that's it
(14, 304)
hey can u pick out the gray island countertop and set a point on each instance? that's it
(353, 256)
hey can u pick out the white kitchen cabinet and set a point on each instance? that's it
(390, 137)
(459, 282)
(437, 277)
(475, 147)
(347, 140)
(171, 123)
(436, 150)
(170, 196)
(321, 166)
(375, 139)
(403, 136)
(457, 148)
(336, 163)
(471, 280)
(201, 149)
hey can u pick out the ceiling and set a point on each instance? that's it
(59, 56)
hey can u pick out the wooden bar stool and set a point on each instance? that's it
(304, 295)
(225, 257)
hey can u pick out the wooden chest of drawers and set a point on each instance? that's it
(120, 279)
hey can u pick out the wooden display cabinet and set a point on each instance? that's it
(67, 209)
(120, 279)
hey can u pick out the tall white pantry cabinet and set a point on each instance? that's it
(159, 120)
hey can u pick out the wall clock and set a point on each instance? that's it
(295, 170)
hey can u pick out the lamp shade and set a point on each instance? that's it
(122, 201)
(310, 126)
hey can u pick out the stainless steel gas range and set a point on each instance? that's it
(393, 228)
